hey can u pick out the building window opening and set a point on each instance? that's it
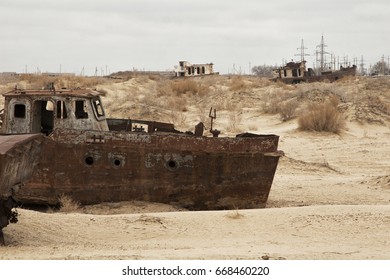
(203, 70)
(80, 111)
(20, 111)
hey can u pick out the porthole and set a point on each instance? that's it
(117, 162)
(171, 164)
(89, 160)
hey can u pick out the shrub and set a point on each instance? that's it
(184, 86)
(237, 83)
(287, 109)
(322, 117)
(67, 204)
(234, 215)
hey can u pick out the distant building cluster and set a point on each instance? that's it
(186, 69)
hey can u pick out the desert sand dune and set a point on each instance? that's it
(330, 198)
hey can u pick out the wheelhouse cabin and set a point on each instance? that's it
(41, 111)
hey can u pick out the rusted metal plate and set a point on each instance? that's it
(19, 154)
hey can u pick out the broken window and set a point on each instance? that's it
(20, 111)
(80, 111)
(97, 105)
(61, 110)
(47, 121)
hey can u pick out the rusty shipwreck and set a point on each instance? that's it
(59, 142)
(296, 72)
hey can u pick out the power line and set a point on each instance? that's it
(321, 52)
(302, 53)
(361, 65)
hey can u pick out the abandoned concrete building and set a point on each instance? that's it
(186, 69)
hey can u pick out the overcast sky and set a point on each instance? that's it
(70, 35)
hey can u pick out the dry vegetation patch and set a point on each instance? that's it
(187, 101)
(182, 86)
(281, 102)
(68, 205)
(237, 83)
(31, 81)
(235, 215)
(322, 117)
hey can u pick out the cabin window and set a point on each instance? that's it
(20, 111)
(198, 70)
(80, 111)
(203, 70)
(61, 110)
(285, 72)
(295, 73)
(47, 116)
(97, 105)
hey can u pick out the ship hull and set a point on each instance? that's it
(19, 155)
(197, 173)
(325, 76)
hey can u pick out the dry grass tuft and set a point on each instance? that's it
(33, 81)
(184, 86)
(280, 102)
(287, 109)
(322, 117)
(237, 83)
(67, 204)
(234, 215)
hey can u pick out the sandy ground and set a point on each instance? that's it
(330, 200)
